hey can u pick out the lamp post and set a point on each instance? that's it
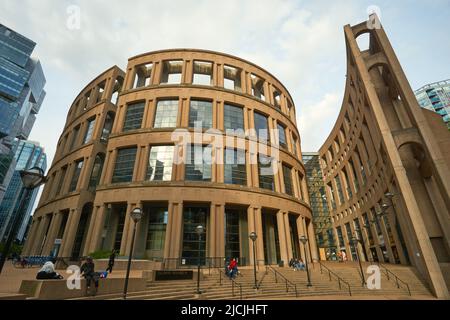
(136, 215)
(31, 178)
(253, 236)
(199, 230)
(354, 241)
(304, 240)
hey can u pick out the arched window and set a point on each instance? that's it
(96, 171)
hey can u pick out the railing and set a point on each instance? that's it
(397, 279)
(205, 262)
(287, 281)
(233, 283)
(338, 278)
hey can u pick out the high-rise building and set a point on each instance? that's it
(195, 138)
(28, 154)
(386, 166)
(21, 94)
(436, 97)
(323, 226)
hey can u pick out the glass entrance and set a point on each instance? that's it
(194, 247)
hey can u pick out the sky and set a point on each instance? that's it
(300, 42)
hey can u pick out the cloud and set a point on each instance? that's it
(300, 42)
(317, 120)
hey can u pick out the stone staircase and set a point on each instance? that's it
(272, 285)
(350, 272)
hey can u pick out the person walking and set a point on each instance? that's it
(111, 261)
(232, 268)
(88, 271)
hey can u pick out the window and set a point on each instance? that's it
(235, 169)
(339, 189)
(61, 180)
(171, 72)
(160, 163)
(261, 127)
(355, 178)
(276, 98)
(116, 89)
(232, 78)
(166, 114)
(257, 87)
(123, 170)
(233, 117)
(100, 92)
(86, 99)
(347, 182)
(89, 131)
(107, 127)
(200, 114)
(76, 175)
(265, 172)
(143, 75)
(281, 136)
(289, 108)
(133, 117)
(156, 232)
(287, 177)
(202, 73)
(294, 145)
(331, 192)
(96, 171)
(198, 163)
(74, 137)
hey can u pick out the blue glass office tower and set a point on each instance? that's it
(436, 97)
(28, 154)
(21, 94)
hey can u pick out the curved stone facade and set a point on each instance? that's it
(386, 166)
(112, 157)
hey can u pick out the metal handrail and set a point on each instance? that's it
(338, 278)
(233, 283)
(397, 279)
(287, 281)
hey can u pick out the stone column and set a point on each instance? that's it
(282, 237)
(31, 235)
(260, 240)
(52, 232)
(301, 232)
(127, 229)
(176, 230)
(289, 243)
(70, 232)
(95, 228)
(220, 230)
(251, 228)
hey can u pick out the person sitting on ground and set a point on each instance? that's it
(88, 271)
(48, 272)
(291, 262)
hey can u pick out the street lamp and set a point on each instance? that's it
(304, 240)
(136, 216)
(253, 236)
(199, 230)
(31, 178)
(354, 241)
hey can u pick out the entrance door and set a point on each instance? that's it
(194, 247)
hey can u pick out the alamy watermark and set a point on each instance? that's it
(73, 21)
